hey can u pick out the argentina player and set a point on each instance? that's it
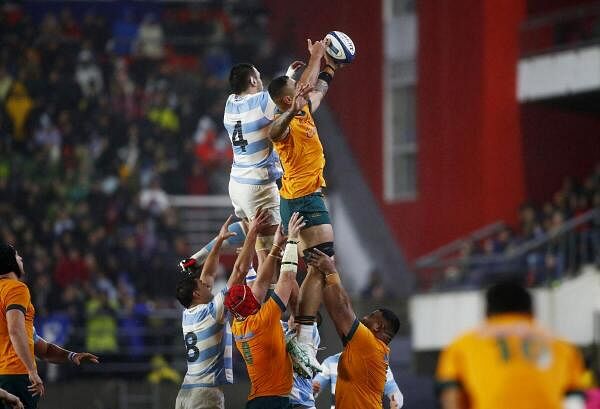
(206, 329)
(249, 111)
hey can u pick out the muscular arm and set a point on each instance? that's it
(211, 265)
(280, 126)
(320, 89)
(335, 297)
(18, 338)
(244, 260)
(311, 72)
(453, 398)
(264, 277)
(50, 352)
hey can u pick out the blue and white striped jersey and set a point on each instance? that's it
(208, 341)
(247, 119)
(329, 378)
(301, 393)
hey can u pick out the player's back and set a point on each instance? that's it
(509, 362)
(247, 119)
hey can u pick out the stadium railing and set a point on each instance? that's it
(541, 260)
(567, 28)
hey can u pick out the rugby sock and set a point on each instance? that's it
(305, 334)
(235, 241)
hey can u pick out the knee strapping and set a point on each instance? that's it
(326, 248)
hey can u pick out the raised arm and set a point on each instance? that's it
(322, 85)
(50, 352)
(211, 265)
(268, 268)
(335, 297)
(289, 263)
(317, 51)
(244, 259)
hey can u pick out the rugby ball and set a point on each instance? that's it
(341, 47)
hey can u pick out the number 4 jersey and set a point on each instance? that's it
(208, 344)
(247, 119)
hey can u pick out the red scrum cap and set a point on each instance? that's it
(241, 302)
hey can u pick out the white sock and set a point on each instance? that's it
(306, 334)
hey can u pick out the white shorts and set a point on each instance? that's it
(200, 398)
(247, 199)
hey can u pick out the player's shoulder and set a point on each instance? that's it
(332, 358)
(13, 285)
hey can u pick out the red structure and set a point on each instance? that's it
(474, 164)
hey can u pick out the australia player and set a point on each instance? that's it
(296, 140)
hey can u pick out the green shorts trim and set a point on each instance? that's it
(17, 385)
(311, 207)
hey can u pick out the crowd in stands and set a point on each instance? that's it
(104, 112)
(480, 262)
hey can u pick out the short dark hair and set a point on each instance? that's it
(185, 290)
(277, 85)
(8, 260)
(392, 322)
(239, 77)
(507, 297)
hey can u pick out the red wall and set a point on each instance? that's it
(468, 120)
(557, 143)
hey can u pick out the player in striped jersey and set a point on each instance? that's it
(329, 377)
(206, 329)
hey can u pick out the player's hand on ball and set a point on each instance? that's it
(81, 357)
(320, 261)
(224, 234)
(316, 49)
(261, 220)
(295, 225)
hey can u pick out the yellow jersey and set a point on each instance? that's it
(362, 370)
(261, 342)
(302, 157)
(14, 295)
(510, 362)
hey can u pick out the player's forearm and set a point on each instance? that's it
(242, 264)
(338, 305)
(280, 125)
(310, 74)
(453, 399)
(55, 354)
(265, 274)
(211, 264)
(19, 341)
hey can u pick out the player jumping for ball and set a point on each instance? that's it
(296, 140)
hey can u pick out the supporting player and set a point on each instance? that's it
(296, 140)
(205, 324)
(18, 371)
(509, 361)
(256, 326)
(328, 378)
(364, 361)
(248, 113)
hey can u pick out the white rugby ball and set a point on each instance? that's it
(341, 47)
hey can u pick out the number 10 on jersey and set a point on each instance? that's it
(237, 138)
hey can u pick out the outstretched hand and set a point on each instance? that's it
(320, 261)
(293, 68)
(81, 357)
(260, 222)
(280, 236)
(316, 49)
(224, 234)
(300, 100)
(295, 225)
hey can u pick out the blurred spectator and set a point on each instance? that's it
(154, 199)
(101, 324)
(18, 105)
(150, 35)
